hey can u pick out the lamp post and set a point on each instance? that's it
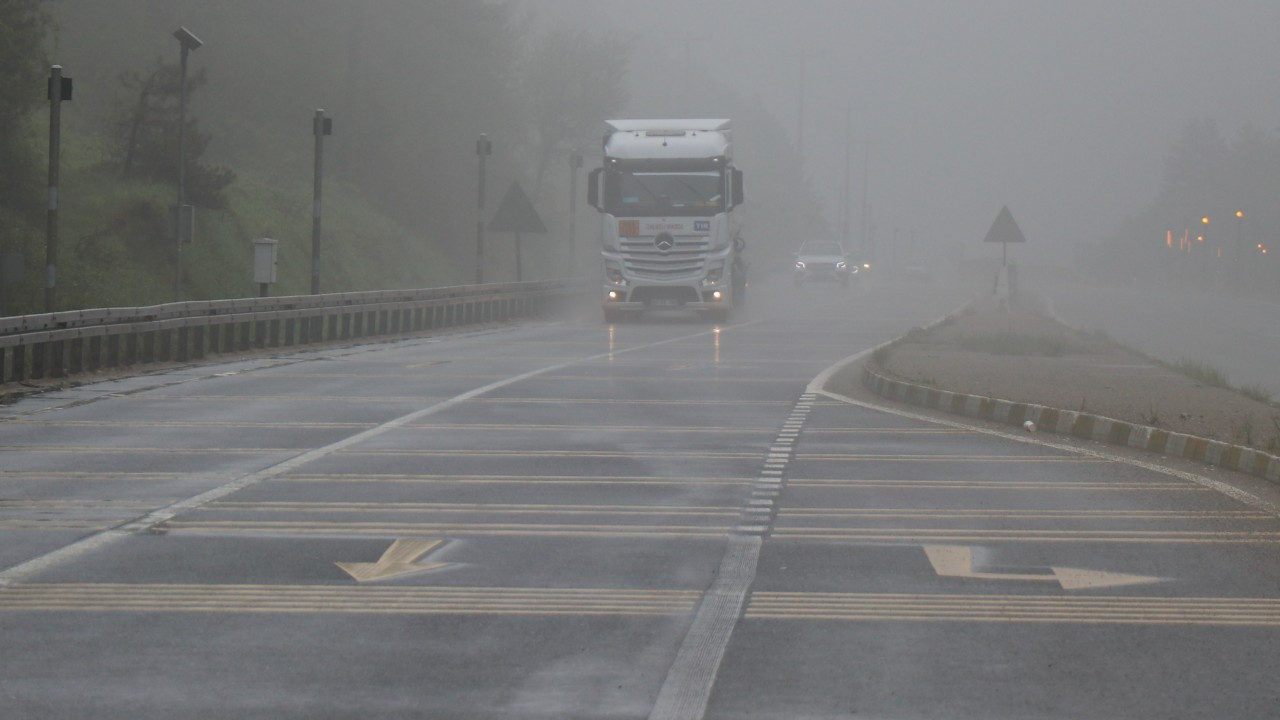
(59, 90)
(187, 42)
(484, 148)
(320, 127)
(1239, 244)
(575, 164)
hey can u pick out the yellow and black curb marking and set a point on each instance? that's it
(1078, 424)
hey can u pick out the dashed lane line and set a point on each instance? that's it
(687, 688)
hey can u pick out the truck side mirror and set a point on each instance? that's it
(737, 187)
(593, 188)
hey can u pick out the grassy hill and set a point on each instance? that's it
(115, 247)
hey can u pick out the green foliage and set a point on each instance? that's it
(570, 83)
(145, 135)
(1202, 373)
(23, 25)
(1256, 392)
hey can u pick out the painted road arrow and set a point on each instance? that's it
(399, 559)
(957, 561)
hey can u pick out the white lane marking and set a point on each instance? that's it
(96, 541)
(687, 688)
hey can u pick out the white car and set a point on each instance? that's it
(822, 261)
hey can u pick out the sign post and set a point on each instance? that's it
(1004, 231)
(516, 214)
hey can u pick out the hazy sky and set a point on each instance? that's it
(1062, 110)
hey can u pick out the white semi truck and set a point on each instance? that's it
(666, 193)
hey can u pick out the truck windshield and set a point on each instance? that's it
(664, 194)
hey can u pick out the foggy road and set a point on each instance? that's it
(661, 518)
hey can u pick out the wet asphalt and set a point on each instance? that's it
(568, 519)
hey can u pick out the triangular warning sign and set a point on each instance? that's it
(516, 214)
(1004, 229)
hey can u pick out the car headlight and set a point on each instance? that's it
(799, 265)
(842, 265)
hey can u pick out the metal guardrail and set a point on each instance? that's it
(63, 344)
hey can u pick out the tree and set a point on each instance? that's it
(573, 82)
(1194, 164)
(23, 25)
(147, 138)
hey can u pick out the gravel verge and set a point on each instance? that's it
(1015, 365)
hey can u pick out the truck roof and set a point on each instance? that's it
(668, 138)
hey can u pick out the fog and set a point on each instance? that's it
(940, 113)
(1064, 111)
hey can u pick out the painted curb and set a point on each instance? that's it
(1077, 424)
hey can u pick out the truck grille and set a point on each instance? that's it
(687, 258)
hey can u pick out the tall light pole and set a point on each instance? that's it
(1239, 245)
(800, 103)
(484, 148)
(320, 127)
(188, 42)
(845, 201)
(575, 164)
(59, 90)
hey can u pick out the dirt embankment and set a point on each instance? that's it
(1024, 356)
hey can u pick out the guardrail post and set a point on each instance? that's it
(164, 350)
(19, 363)
(39, 360)
(75, 356)
(57, 359)
(197, 351)
(184, 344)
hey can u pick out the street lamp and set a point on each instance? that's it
(575, 164)
(1239, 245)
(188, 42)
(59, 91)
(484, 148)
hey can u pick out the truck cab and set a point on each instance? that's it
(666, 192)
